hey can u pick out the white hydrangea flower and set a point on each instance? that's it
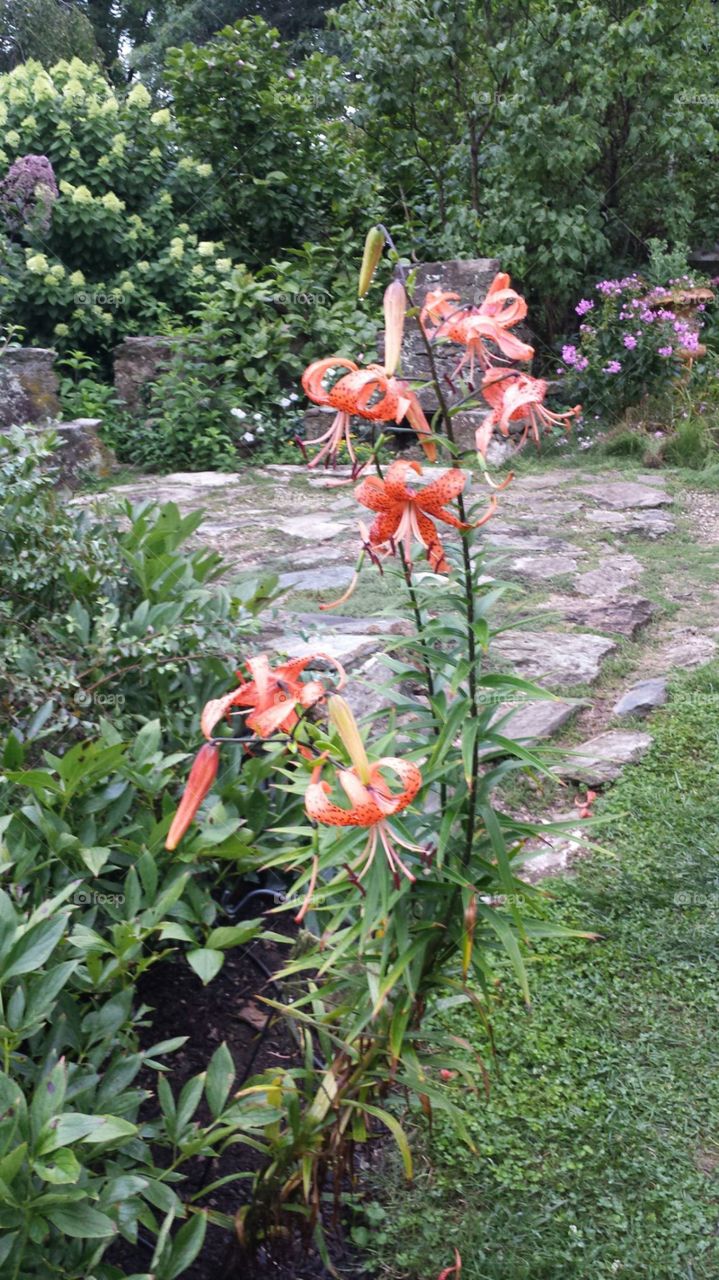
(37, 264)
(206, 248)
(77, 279)
(161, 117)
(138, 96)
(223, 264)
(61, 330)
(238, 413)
(248, 436)
(81, 195)
(112, 202)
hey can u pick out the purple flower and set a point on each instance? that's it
(613, 367)
(583, 306)
(569, 354)
(27, 194)
(665, 351)
(629, 341)
(581, 364)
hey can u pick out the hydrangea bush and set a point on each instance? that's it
(121, 248)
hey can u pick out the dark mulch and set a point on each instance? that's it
(225, 1010)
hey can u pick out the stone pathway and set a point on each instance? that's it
(618, 588)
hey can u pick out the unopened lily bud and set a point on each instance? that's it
(395, 306)
(470, 922)
(341, 716)
(373, 246)
(202, 776)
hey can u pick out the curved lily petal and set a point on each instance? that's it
(202, 776)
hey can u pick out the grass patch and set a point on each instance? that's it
(597, 1148)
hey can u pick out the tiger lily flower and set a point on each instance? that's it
(371, 800)
(271, 694)
(369, 393)
(514, 396)
(474, 327)
(407, 515)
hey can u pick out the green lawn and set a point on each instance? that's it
(598, 1149)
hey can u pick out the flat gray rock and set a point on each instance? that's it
(540, 568)
(622, 495)
(687, 650)
(612, 576)
(532, 721)
(553, 657)
(318, 579)
(602, 759)
(518, 539)
(340, 624)
(642, 698)
(346, 649)
(651, 523)
(623, 615)
(310, 527)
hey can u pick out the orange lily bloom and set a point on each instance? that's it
(202, 776)
(515, 396)
(369, 393)
(271, 694)
(474, 327)
(404, 515)
(371, 800)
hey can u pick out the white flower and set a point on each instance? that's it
(257, 417)
(260, 431)
(285, 402)
(238, 413)
(294, 395)
(248, 437)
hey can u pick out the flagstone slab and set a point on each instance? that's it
(535, 720)
(623, 495)
(612, 576)
(643, 697)
(557, 658)
(321, 578)
(622, 615)
(650, 523)
(340, 624)
(601, 759)
(347, 649)
(540, 568)
(686, 650)
(521, 540)
(311, 527)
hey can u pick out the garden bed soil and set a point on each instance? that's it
(229, 1009)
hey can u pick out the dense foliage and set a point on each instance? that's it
(120, 253)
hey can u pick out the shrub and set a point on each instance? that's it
(125, 618)
(121, 253)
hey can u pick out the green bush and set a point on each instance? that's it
(229, 395)
(121, 254)
(125, 618)
(126, 622)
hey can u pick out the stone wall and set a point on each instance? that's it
(470, 278)
(28, 386)
(137, 362)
